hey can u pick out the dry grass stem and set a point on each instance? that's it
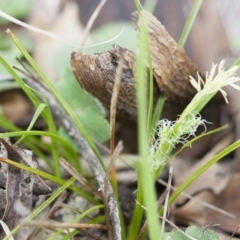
(62, 197)
(54, 224)
(111, 170)
(143, 229)
(166, 199)
(6, 229)
(219, 146)
(166, 220)
(113, 159)
(234, 232)
(87, 154)
(91, 21)
(63, 205)
(210, 206)
(52, 35)
(35, 29)
(78, 177)
(114, 100)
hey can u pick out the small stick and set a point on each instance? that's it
(87, 153)
(79, 177)
(55, 224)
(205, 204)
(114, 100)
(166, 200)
(91, 21)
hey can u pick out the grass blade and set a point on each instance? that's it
(56, 94)
(49, 177)
(157, 113)
(145, 180)
(189, 23)
(201, 170)
(77, 219)
(34, 119)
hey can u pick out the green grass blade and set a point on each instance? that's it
(150, 5)
(137, 217)
(34, 119)
(38, 133)
(189, 23)
(189, 143)
(145, 180)
(49, 177)
(56, 94)
(36, 145)
(201, 170)
(22, 84)
(77, 219)
(54, 150)
(236, 63)
(31, 142)
(157, 113)
(46, 114)
(15, 76)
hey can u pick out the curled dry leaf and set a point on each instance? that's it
(172, 68)
(96, 74)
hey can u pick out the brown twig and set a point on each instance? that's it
(113, 107)
(166, 199)
(165, 219)
(235, 231)
(55, 224)
(205, 204)
(116, 153)
(50, 213)
(79, 178)
(87, 153)
(110, 175)
(90, 22)
(142, 231)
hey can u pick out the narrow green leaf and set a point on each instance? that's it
(189, 23)
(145, 180)
(157, 112)
(38, 147)
(38, 133)
(189, 143)
(19, 81)
(49, 177)
(150, 5)
(137, 216)
(201, 170)
(56, 94)
(34, 119)
(236, 63)
(75, 220)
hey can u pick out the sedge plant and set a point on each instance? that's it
(146, 191)
(153, 156)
